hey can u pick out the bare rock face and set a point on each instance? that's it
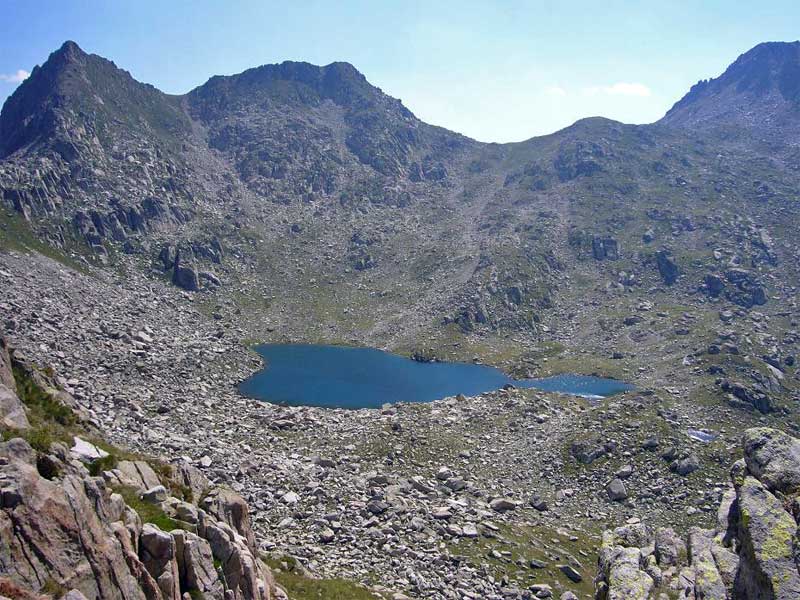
(752, 553)
(196, 563)
(191, 478)
(185, 276)
(60, 526)
(138, 474)
(244, 575)
(6, 375)
(59, 530)
(12, 411)
(229, 507)
(157, 552)
(71, 529)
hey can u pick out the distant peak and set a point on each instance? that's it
(772, 49)
(343, 68)
(339, 81)
(69, 50)
(760, 86)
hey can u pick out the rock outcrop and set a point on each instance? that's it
(667, 267)
(752, 553)
(67, 524)
(12, 412)
(73, 531)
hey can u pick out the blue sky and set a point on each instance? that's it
(497, 71)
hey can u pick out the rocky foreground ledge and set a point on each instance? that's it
(753, 553)
(77, 523)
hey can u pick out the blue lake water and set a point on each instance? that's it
(342, 377)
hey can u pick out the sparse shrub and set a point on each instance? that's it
(107, 463)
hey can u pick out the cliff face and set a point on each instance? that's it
(752, 553)
(760, 91)
(78, 521)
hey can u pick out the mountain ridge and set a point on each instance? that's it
(343, 71)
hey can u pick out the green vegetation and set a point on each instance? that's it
(106, 463)
(53, 589)
(509, 551)
(42, 403)
(17, 235)
(149, 513)
(50, 420)
(301, 587)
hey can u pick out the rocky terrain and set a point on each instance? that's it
(79, 522)
(147, 240)
(751, 553)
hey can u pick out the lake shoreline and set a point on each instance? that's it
(351, 377)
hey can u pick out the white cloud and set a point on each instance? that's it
(18, 77)
(555, 90)
(620, 89)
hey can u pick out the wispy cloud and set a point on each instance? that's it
(619, 89)
(18, 77)
(555, 90)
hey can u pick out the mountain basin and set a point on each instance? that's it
(346, 377)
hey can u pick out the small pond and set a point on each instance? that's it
(344, 377)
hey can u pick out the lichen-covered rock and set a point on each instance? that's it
(708, 583)
(753, 553)
(768, 566)
(773, 457)
(670, 550)
(621, 576)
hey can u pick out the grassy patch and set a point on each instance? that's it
(149, 513)
(16, 235)
(50, 420)
(301, 587)
(509, 552)
(106, 463)
(41, 403)
(52, 588)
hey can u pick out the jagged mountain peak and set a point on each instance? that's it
(69, 50)
(760, 88)
(74, 91)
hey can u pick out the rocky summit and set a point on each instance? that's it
(148, 241)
